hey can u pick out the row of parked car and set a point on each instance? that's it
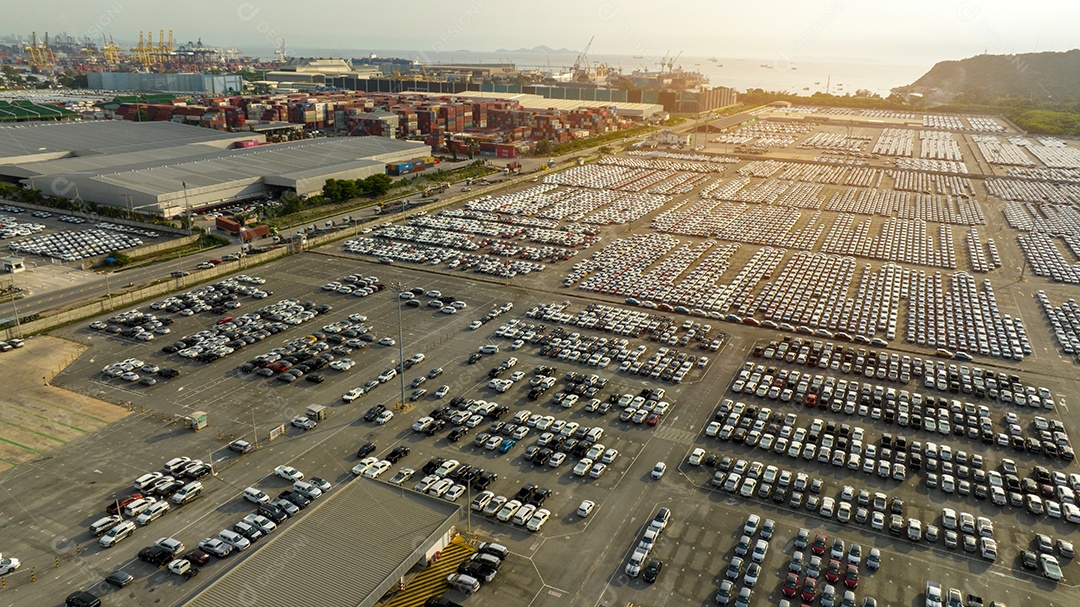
(480, 568)
(639, 562)
(936, 374)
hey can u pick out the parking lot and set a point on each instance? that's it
(67, 238)
(597, 293)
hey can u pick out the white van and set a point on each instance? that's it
(188, 492)
(117, 533)
(463, 583)
(154, 512)
(138, 506)
(100, 526)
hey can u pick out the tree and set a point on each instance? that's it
(377, 185)
(543, 147)
(332, 189)
(605, 150)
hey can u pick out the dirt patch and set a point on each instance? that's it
(36, 417)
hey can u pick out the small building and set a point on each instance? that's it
(13, 264)
(352, 548)
(673, 138)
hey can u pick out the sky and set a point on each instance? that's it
(914, 31)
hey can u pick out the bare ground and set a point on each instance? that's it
(36, 417)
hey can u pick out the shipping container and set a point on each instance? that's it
(228, 225)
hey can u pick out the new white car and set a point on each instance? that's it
(289, 473)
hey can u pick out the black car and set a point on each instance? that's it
(365, 450)
(652, 571)
(166, 489)
(434, 427)
(525, 492)
(439, 601)
(316, 378)
(433, 465)
(373, 412)
(460, 472)
(295, 498)
(155, 555)
(540, 496)
(475, 356)
(498, 412)
(457, 433)
(542, 457)
(273, 512)
(168, 373)
(198, 472)
(398, 453)
(484, 481)
(248, 531)
(119, 578)
(477, 570)
(82, 599)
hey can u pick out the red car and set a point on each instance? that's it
(653, 419)
(791, 584)
(224, 320)
(818, 547)
(117, 506)
(833, 572)
(809, 589)
(851, 580)
(198, 557)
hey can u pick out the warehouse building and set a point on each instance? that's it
(210, 84)
(350, 550)
(166, 169)
(34, 142)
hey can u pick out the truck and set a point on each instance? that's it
(316, 412)
(436, 189)
(227, 225)
(249, 234)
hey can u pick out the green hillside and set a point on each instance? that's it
(1038, 80)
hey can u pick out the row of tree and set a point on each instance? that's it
(338, 190)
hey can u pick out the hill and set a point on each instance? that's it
(1050, 79)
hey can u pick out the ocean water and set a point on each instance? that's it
(795, 76)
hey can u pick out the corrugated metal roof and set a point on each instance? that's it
(104, 137)
(163, 172)
(337, 554)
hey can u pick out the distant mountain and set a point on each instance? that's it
(538, 49)
(1041, 79)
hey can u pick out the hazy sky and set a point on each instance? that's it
(913, 31)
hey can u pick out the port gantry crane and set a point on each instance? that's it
(582, 69)
(39, 54)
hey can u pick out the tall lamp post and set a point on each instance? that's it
(398, 287)
(18, 323)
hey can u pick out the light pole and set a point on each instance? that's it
(180, 250)
(18, 324)
(398, 288)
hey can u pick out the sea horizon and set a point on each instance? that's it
(797, 75)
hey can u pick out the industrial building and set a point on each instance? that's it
(209, 84)
(350, 550)
(165, 169)
(538, 103)
(318, 72)
(671, 101)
